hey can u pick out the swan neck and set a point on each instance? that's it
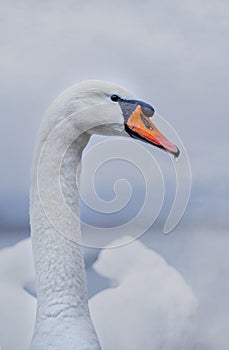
(60, 273)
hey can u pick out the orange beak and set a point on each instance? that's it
(141, 127)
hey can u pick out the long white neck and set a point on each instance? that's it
(63, 320)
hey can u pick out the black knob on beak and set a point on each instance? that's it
(147, 110)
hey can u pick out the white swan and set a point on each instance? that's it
(63, 320)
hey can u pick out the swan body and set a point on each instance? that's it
(63, 319)
(149, 307)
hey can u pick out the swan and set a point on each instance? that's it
(63, 319)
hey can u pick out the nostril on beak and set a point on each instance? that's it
(148, 110)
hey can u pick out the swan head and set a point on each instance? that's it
(107, 109)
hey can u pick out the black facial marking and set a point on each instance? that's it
(129, 106)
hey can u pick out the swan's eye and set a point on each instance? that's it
(114, 98)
